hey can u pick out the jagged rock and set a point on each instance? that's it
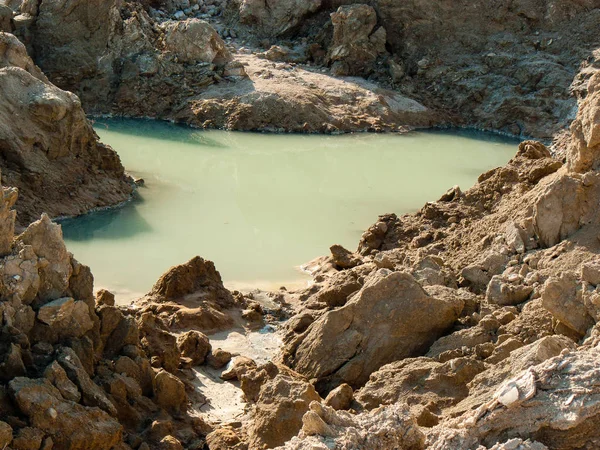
(195, 41)
(563, 206)
(91, 394)
(504, 291)
(70, 425)
(563, 298)
(345, 345)
(169, 392)
(45, 239)
(355, 45)
(196, 276)
(158, 342)
(275, 18)
(239, 366)
(6, 15)
(104, 297)
(424, 384)
(195, 346)
(58, 377)
(590, 272)
(583, 152)
(280, 397)
(65, 318)
(386, 427)
(341, 397)
(343, 258)
(45, 131)
(560, 412)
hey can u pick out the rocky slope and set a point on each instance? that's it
(508, 68)
(48, 149)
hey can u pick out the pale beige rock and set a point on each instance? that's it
(195, 41)
(341, 397)
(389, 427)
(563, 298)
(391, 318)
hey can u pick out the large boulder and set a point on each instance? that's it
(280, 397)
(274, 18)
(70, 425)
(355, 46)
(195, 41)
(390, 318)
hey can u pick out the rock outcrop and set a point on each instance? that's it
(49, 150)
(390, 318)
(73, 373)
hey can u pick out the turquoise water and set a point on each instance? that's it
(260, 205)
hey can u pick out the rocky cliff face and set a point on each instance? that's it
(48, 149)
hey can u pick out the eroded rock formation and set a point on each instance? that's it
(48, 149)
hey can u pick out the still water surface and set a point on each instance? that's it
(260, 205)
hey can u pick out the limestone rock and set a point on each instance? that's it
(281, 397)
(91, 394)
(104, 297)
(563, 207)
(355, 45)
(195, 41)
(391, 318)
(506, 292)
(196, 276)
(218, 358)
(562, 297)
(583, 153)
(387, 427)
(58, 377)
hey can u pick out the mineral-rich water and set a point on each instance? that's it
(260, 205)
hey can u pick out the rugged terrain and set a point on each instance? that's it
(471, 324)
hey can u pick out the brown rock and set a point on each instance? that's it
(345, 345)
(28, 439)
(239, 366)
(169, 392)
(341, 397)
(343, 258)
(218, 358)
(194, 345)
(195, 276)
(104, 297)
(562, 297)
(355, 47)
(280, 402)
(71, 426)
(6, 434)
(195, 41)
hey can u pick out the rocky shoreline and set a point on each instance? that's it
(471, 324)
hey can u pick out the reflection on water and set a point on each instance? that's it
(259, 205)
